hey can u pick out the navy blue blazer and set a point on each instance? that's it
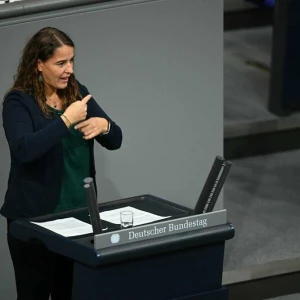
(36, 153)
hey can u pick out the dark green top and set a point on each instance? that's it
(76, 152)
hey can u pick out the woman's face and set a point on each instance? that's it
(58, 68)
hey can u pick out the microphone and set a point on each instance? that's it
(212, 186)
(92, 204)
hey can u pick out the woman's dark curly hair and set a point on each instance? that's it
(42, 47)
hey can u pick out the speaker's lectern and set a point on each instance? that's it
(177, 258)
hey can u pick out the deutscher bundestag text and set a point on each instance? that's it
(169, 228)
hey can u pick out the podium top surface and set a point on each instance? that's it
(81, 248)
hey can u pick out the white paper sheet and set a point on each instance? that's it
(139, 216)
(67, 227)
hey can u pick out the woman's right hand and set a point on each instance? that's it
(77, 111)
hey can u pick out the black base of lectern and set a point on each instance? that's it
(187, 265)
(187, 272)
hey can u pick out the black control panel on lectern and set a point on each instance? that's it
(212, 186)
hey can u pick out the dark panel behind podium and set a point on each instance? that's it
(284, 84)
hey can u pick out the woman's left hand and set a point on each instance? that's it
(92, 127)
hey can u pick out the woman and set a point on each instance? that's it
(51, 140)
